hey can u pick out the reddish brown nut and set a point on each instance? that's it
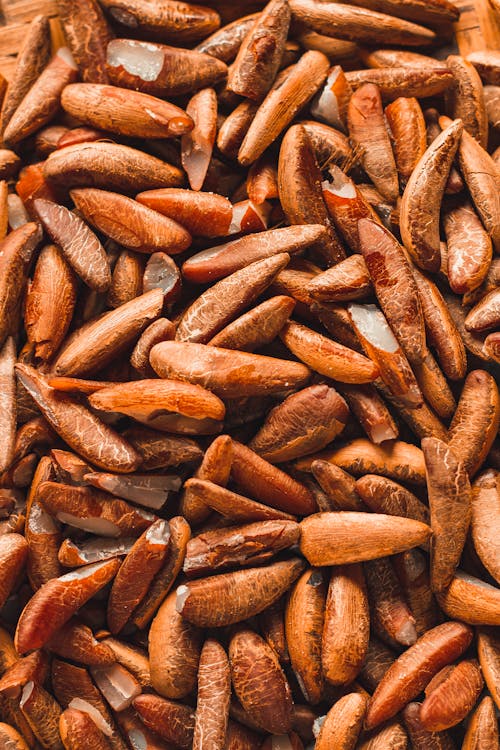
(412, 671)
(369, 132)
(54, 604)
(419, 216)
(173, 722)
(230, 504)
(255, 476)
(450, 700)
(259, 56)
(176, 71)
(471, 599)
(241, 545)
(225, 372)
(344, 645)
(75, 641)
(42, 100)
(304, 627)
(254, 593)
(174, 650)
(476, 420)
(136, 573)
(259, 682)
(299, 187)
(163, 581)
(321, 411)
(391, 618)
(78, 730)
(124, 112)
(422, 738)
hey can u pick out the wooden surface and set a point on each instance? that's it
(478, 27)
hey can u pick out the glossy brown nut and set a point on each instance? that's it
(163, 581)
(326, 356)
(255, 593)
(124, 112)
(168, 405)
(394, 82)
(72, 421)
(391, 618)
(220, 304)
(46, 328)
(197, 144)
(398, 460)
(419, 216)
(412, 570)
(222, 260)
(173, 722)
(452, 699)
(471, 599)
(42, 100)
(78, 244)
(175, 71)
(304, 627)
(255, 476)
(88, 35)
(259, 682)
(299, 186)
(466, 100)
(215, 467)
(482, 729)
(282, 104)
(57, 601)
(88, 509)
(174, 649)
(412, 671)
(214, 692)
(203, 214)
(110, 166)
(344, 644)
(256, 328)
(31, 60)
(232, 505)
(469, 249)
(395, 286)
(97, 342)
(225, 372)
(129, 586)
(129, 223)
(382, 495)
(476, 420)
(485, 497)
(238, 546)
(367, 129)
(305, 422)
(16, 253)
(77, 729)
(75, 641)
(347, 280)
(420, 737)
